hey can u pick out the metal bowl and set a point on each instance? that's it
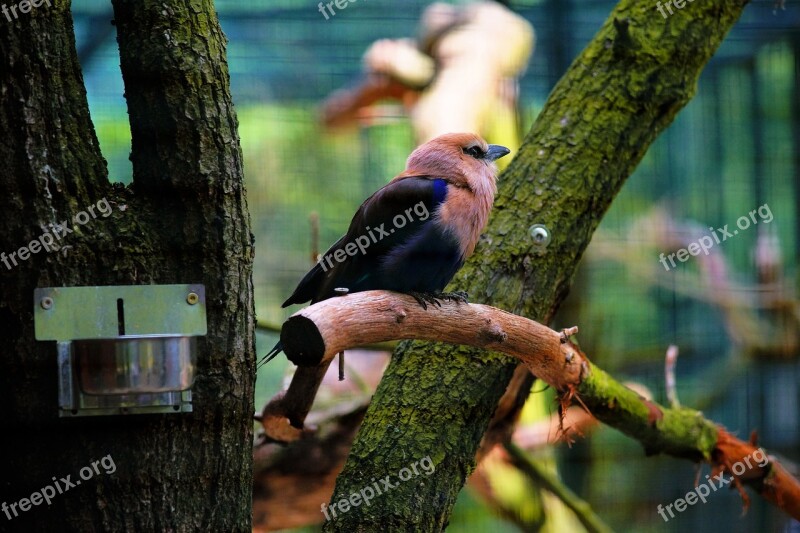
(135, 364)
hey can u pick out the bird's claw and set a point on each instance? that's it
(456, 296)
(424, 298)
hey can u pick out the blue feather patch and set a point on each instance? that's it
(439, 191)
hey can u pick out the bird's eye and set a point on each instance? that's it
(474, 151)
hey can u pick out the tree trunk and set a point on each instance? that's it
(184, 220)
(436, 400)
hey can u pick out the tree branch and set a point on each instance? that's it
(317, 333)
(314, 335)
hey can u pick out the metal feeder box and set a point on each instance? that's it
(128, 349)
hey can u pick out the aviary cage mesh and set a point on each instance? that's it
(733, 149)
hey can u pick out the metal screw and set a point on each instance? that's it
(341, 290)
(192, 298)
(46, 302)
(540, 235)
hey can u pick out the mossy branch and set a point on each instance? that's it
(314, 335)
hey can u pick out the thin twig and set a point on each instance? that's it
(542, 478)
(670, 361)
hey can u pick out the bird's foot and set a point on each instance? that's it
(424, 298)
(455, 296)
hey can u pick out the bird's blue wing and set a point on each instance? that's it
(393, 243)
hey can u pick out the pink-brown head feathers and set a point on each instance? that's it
(463, 159)
(466, 162)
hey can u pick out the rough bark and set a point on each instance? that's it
(436, 400)
(184, 220)
(314, 335)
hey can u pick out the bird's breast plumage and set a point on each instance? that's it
(465, 214)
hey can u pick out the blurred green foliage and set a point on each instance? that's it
(732, 149)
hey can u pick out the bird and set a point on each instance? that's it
(415, 232)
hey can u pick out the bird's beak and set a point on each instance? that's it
(496, 151)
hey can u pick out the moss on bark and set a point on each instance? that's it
(184, 220)
(680, 432)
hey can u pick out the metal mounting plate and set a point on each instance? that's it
(71, 313)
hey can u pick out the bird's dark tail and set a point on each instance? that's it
(278, 348)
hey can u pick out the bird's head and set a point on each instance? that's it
(463, 159)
